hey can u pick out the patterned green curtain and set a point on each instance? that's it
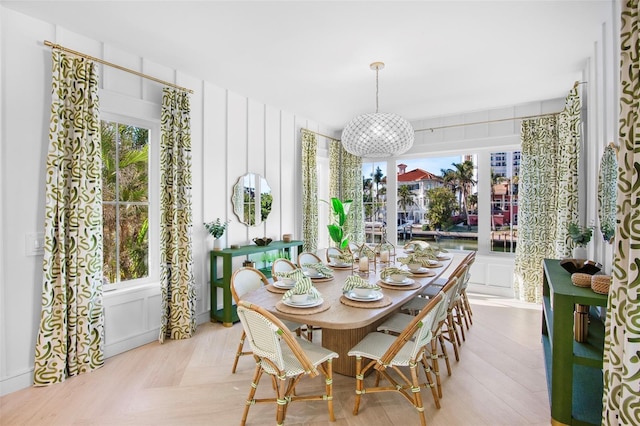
(538, 204)
(345, 182)
(548, 195)
(71, 336)
(309, 192)
(568, 160)
(621, 363)
(178, 312)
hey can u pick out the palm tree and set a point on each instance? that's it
(378, 177)
(405, 199)
(463, 174)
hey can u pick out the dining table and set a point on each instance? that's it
(345, 320)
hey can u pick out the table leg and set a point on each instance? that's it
(341, 341)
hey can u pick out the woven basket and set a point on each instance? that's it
(580, 279)
(600, 284)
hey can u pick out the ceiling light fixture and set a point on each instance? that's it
(380, 134)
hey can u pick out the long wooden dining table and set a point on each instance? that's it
(345, 322)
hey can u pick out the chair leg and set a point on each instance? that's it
(359, 384)
(329, 388)
(467, 306)
(445, 354)
(435, 365)
(281, 401)
(459, 320)
(465, 314)
(427, 373)
(453, 336)
(239, 352)
(417, 397)
(252, 393)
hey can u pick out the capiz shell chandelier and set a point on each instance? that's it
(380, 134)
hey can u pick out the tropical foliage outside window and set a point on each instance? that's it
(125, 195)
(374, 191)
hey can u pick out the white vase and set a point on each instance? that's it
(217, 244)
(580, 252)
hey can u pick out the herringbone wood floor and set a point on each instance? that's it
(500, 380)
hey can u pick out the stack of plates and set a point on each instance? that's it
(375, 295)
(309, 303)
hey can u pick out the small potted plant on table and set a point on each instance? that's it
(580, 235)
(216, 229)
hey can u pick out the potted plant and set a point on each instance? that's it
(216, 229)
(339, 212)
(580, 235)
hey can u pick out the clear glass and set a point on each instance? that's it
(505, 167)
(125, 176)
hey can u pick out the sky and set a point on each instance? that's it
(433, 165)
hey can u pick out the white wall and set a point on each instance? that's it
(231, 135)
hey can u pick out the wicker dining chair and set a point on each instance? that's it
(308, 257)
(243, 281)
(388, 354)
(398, 321)
(285, 265)
(281, 265)
(286, 359)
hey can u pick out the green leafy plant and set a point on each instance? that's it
(339, 212)
(216, 228)
(581, 235)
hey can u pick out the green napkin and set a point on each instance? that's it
(354, 281)
(321, 268)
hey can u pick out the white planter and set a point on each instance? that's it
(217, 244)
(579, 252)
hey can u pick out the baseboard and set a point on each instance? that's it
(15, 383)
(490, 290)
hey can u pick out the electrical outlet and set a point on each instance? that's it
(34, 244)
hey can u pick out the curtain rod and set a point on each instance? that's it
(302, 129)
(524, 117)
(121, 68)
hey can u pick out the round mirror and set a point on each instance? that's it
(252, 199)
(607, 192)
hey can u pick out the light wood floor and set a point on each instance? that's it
(500, 380)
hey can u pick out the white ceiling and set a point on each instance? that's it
(312, 57)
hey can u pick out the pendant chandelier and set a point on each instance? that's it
(380, 134)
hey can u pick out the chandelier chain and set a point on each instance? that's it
(377, 70)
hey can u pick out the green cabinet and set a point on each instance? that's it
(574, 369)
(227, 315)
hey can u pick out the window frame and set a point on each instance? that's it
(154, 197)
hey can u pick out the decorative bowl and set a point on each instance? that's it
(398, 278)
(262, 241)
(299, 298)
(414, 266)
(580, 265)
(362, 292)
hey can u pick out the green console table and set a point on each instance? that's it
(227, 315)
(574, 370)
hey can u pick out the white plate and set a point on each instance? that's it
(313, 274)
(340, 265)
(375, 295)
(308, 304)
(406, 281)
(280, 284)
(422, 270)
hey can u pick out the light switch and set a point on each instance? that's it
(34, 244)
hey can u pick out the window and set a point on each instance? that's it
(505, 167)
(126, 201)
(374, 190)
